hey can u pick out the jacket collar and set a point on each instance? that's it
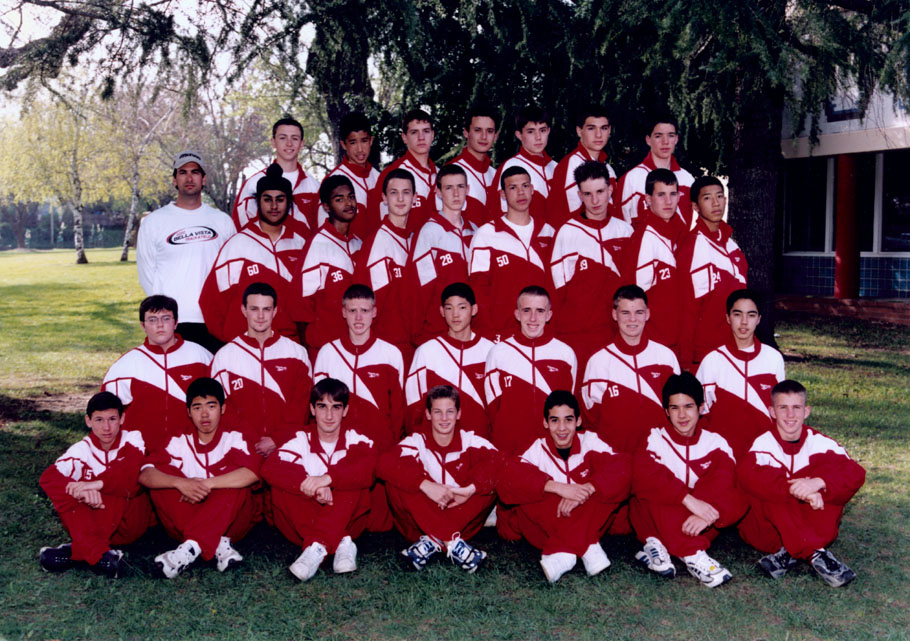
(156, 349)
(543, 160)
(357, 349)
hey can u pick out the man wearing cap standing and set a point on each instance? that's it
(178, 244)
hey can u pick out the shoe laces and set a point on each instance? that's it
(830, 563)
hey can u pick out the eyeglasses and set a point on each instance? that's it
(154, 320)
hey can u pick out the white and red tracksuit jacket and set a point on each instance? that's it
(351, 464)
(650, 262)
(424, 193)
(302, 218)
(631, 192)
(364, 181)
(267, 386)
(249, 257)
(523, 477)
(446, 361)
(520, 374)
(152, 384)
(374, 374)
(439, 257)
(738, 391)
(540, 168)
(622, 389)
(381, 265)
(667, 466)
(564, 203)
(186, 456)
(87, 460)
(500, 266)
(468, 459)
(711, 267)
(586, 267)
(480, 181)
(323, 274)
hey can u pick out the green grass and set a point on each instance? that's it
(61, 325)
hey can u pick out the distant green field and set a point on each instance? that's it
(61, 325)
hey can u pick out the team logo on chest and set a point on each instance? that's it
(192, 235)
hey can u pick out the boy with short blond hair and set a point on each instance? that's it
(797, 481)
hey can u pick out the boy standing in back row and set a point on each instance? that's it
(661, 138)
(417, 134)
(532, 129)
(356, 141)
(287, 141)
(592, 124)
(480, 135)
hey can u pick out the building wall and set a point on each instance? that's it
(879, 276)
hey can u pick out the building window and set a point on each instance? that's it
(806, 191)
(865, 200)
(896, 201)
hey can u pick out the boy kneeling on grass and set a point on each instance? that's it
(200, 485)
(567, 488)
(440, 483)
(320, 482)
(683, 488)
(798, 481)
(94, 489)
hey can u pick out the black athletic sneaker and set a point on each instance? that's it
(58, 559)
(778, 564)
(832, 571)
(111, 564)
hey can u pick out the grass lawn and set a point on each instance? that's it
(61, 325)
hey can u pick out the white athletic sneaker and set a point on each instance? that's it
(177, 560)
(225, 555)
(707, 570)
(595, 559)
(345, 556)
(555, 565)
(491, 518)
(306, 565)
(656, 558)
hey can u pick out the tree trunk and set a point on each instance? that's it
(20, 216)
(77, 207)
(754, 175)
(131, 219)
(338, 62)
